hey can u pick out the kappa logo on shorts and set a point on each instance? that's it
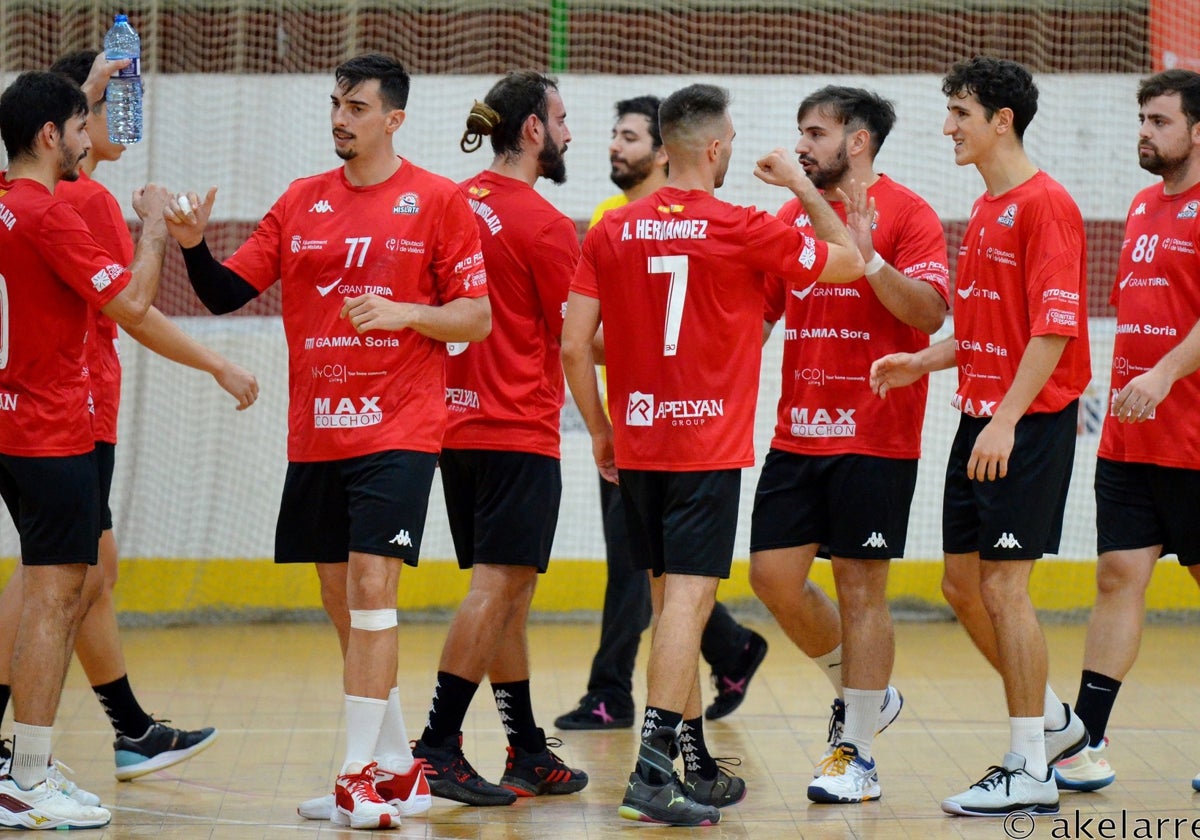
(401, 539)
(876, 540)
(1007, 540)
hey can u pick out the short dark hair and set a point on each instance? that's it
(854, 108)
(33, 99)
(689, 107)
(997, 83)
(77, 66)
(518, 95)
(1183, 82)
(648, 107)
(393, 78)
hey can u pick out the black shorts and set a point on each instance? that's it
(106, 458)
(1143, 505)
(55, 504)
(684, 523)
(1018, 517)
(502, 506)
(372, 504)
(853, 506)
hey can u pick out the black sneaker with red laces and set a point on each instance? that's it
(540, 773)
(451, 776)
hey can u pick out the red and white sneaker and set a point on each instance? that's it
(358, 804)
(407, 792)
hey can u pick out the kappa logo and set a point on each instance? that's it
(1140, 210)
(325, 290)
(401, 539)
(966, 293)
(640, 410)
(1007, 540)
(803, 293)
(876, 540)
(321, 206)
(1009, 217)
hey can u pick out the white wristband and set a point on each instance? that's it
(876, 264)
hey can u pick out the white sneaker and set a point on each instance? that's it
(45, 807)
(407, 792)
(1087, 770)
(845, 777)
(358, 804)
(893, 702)
(67, 786)
(1003, 790)
(1065, 742)
(320, 808)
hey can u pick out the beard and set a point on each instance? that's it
(831, 172)
(551, 163)
(68, 165)
(1157, 164)
(634, 173)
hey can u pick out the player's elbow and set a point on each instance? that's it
(931, 318)
(128, 309)
(845, 265)
(479, 323)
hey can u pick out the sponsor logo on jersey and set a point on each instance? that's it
(835, 290)
(973, 346)
(1142, 282)
(461, 398)
(985, 408)
(831, 332)
(325, 290)
(1147, 329)
(1140, 210)
(821, 423)
(1179, 246)
(803, 293)
(8, 401)
(346, 415)
(1001, 256)
(332, 373)
(408, 204)
(814, 376)
(640, 410)
(322, 342)
(468, 263)
(1189, 210)
(321, 206)
(7, 217)
(1009, 217)
(1060, 294)
(103, 278)
(1062, 317)
(300, 244)
(972, 291)
(808, 255)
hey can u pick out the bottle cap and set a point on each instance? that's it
(121, 19)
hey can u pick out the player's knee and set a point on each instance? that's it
(373, 620)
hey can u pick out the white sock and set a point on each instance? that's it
(862, 718)
(364, 719)
(1056, 715)
(1029, 740)
(831, 667)
(31, 754)
(392, 751)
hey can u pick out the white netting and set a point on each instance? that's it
(237, 95)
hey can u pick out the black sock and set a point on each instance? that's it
(695, 752)
(451, 698)
(124, 712)
(1097, 694)
(516, 715)
(656, 757)
(5, 694)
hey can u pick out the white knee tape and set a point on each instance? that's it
(372, 619)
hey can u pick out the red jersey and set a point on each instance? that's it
(833, 332)
(1157, 296)
(679, 275)
(107, 223)
(410, 238)
(1021, 273)
(506, 392)
(52, 271)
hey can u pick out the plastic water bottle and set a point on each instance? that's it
(124, 92)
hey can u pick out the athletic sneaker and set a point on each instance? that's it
(540, 773)
(731, 687)
(1065, 742)
(451, 776)
(667, 804)
(45, 807)
(845, 777)
(720, 792)
(358, 804)
(1003, 790)
(53, 771)
(407, 792)
(893, 702)
(161, 747)
(1087, 770)
(595, 711)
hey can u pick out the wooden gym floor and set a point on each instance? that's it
(274, 691)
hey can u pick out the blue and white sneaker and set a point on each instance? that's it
(845, 777)
(161, 747)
